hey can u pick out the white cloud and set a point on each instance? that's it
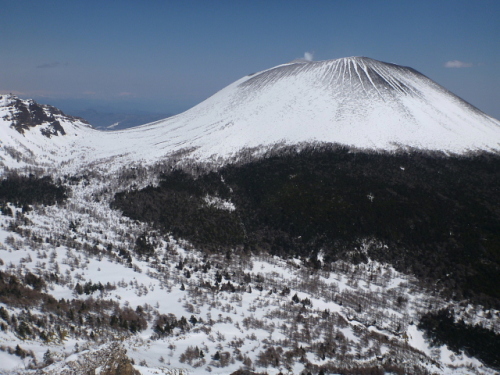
(308, 56)
(457, 64)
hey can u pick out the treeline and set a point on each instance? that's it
(26, 190)
(433, 215)
(476, 341)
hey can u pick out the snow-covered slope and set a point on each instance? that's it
(354, 101)
(208, 312)
(366, 315)
(31, 133)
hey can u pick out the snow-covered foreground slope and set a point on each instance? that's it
(255, 312)
(354, 101)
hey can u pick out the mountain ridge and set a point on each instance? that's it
(271, 229)
(358, 102)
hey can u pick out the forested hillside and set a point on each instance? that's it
(434, 215)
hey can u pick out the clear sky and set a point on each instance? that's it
(166, 56)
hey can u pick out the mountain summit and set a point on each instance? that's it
(26, 114)
(32, 133)
(354, 101)
(257, 232)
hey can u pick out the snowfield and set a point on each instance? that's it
(211, 313)
(372, 307)
(355, 101)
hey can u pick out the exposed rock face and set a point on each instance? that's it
(108, 360)
(27, 114)
(119, 365)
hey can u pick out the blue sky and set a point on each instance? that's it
(166, 56)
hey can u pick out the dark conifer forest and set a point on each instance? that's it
(434, 215)
(441, 328)
(25, 190)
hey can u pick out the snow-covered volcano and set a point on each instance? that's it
(355, 101)
(301, 264)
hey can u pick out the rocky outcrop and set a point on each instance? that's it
(27, 114)
(107, 360)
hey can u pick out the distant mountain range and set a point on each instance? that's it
(117, 120)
